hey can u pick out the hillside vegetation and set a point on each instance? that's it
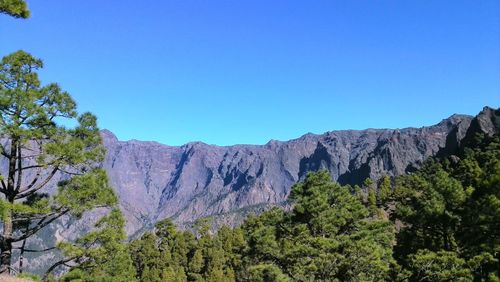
(440, 223)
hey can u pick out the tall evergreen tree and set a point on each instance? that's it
(384, 190)
(99, 255)
(38, 150)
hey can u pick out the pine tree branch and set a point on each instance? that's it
(4, 186)
(70, 172)
(41, 224)
(35, 251)
(38, 166)
(34, 181)
(30, 191)
(35, 217)
(57, 264)
(3, 152)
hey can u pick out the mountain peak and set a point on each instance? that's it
(487, 121)
(108, 135)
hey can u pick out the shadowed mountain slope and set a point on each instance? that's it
(156, 181)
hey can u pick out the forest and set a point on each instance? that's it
(437, 224)
(440, 223)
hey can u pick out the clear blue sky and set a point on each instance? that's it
(226, 72)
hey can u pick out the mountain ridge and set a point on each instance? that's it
(155, 181)
(107, 133)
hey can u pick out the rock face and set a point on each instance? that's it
(156, 181)
(486, 122)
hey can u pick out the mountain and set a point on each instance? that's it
(155, 181)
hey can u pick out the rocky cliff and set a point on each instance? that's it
(156, 181)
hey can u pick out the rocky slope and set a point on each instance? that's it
(156, 181)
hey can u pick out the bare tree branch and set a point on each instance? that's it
(57, 264)
(4, 186)
(34, 181)
(34, 217)
(26, 193)
(35, 251)
(3, 152)
(70, 172)
(41, 224)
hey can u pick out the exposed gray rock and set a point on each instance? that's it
(156, 181)
(486, 122)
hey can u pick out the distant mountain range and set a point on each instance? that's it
(155, 181)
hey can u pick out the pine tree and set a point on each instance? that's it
(196, 263)
(328, 236)
(426, 265)
(449, 211)
(39, 150)
(101, 255)
(384, 190)
(14, 8)
(372, 201)
(266, 272)
(147, 257)
(371, 197)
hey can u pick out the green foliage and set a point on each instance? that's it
(327, 236)
(28, 277)
(168, 254)
(372, 201)
(84, 192)
(447, 214)
(266, 272)
(426, 265)
(450, 209)
(371, 197)
(14, 8)
(368, 183)
(429, 200)
(102, 253)
(384, 190)
(38, 151)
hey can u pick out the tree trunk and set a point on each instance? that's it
(6, 244)
(21, 256)
(6, 240)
